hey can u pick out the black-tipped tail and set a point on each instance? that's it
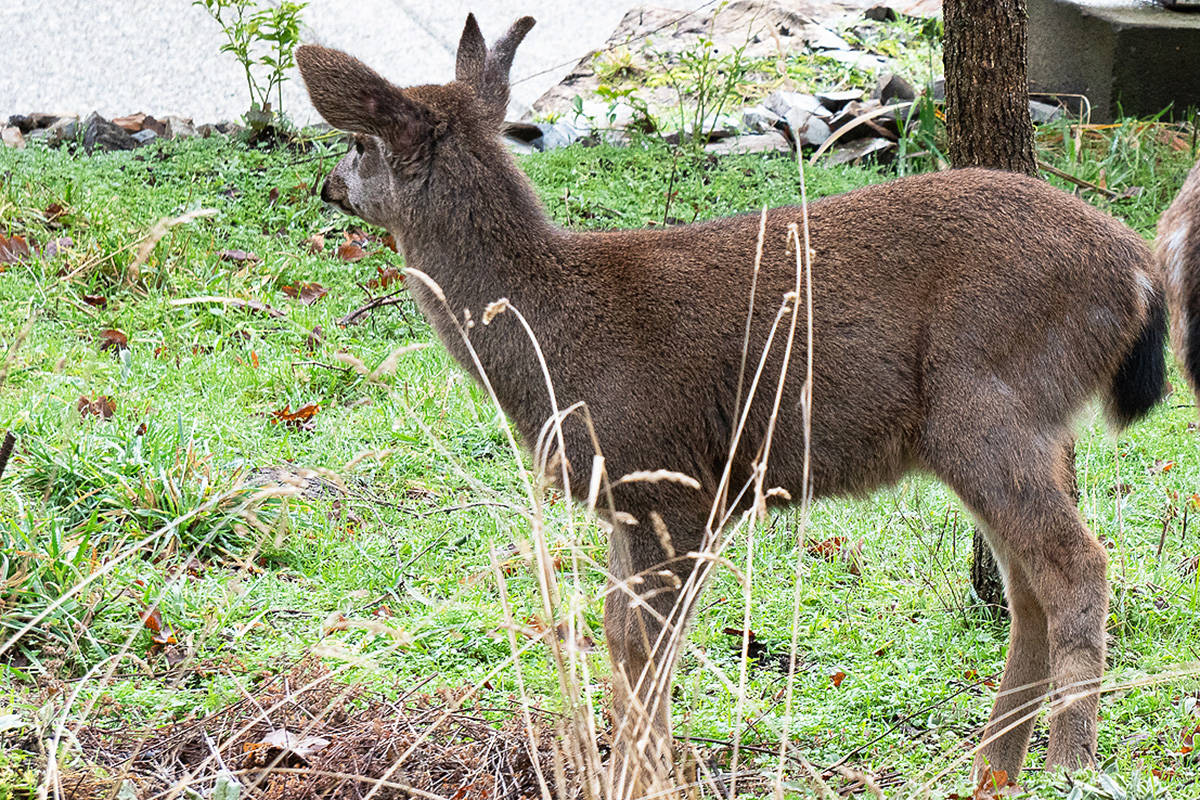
(1141, 380)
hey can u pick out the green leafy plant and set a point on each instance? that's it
(710, 82)
(263, 37)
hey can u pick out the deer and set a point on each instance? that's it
(960, 321)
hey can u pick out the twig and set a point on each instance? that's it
(1080, 182)
(355, 316)
(235, 302)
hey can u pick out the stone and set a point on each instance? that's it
(881, 14)
(11, 136)
(177, 127)
(891, 88)
(857, 59)
(937, 90)
(42, 119)
(781, 102)
(760, 119)
(21, 122)
(1042, 113)
(1124, 56)
(556, 136)
(100, 134)
(64, 129)
(144, 135)
(835, 101)
(818, 37)
(807, 127)
(774, 142)
(856, 152)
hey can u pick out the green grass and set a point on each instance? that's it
(246, 583)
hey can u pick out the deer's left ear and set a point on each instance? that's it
(486, 70)
(353, 97)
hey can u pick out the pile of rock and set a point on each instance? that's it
(97, 134)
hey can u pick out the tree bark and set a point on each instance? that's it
(987, 88)
(988, 124)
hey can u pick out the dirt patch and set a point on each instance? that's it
(306, 735)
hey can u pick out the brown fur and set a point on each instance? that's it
(1178, 251)
(961, 320)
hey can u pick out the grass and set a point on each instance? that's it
(377, 556)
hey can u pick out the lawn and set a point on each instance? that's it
(222, 484)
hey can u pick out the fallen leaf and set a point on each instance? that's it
(385, 277)
(160, 632)
(97, 300)
(994, 784)
(827, 549)
(13, 250)
(52, 214)
(837, 678)
(293, 744)
(273, 195)
(351, 251)
(57, 246)
(316, 243)
(238, 256)
(301, 418)
(314, 339)
(254, 359)
(113, 339)
(103, 407)
(306, 293)
(389, 241)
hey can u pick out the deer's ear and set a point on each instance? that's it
(353, 97)
(492, 82)
(472, 53)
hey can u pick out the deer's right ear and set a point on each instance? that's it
(351, 96)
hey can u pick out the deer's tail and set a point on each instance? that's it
(1178, 251)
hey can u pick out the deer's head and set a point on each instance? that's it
(413, 148)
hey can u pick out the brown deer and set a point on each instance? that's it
(960, 322)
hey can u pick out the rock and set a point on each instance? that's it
(773, 142)
(857, 59)
(21, 123)
(881, 14)
(884, 125)
(558, 135)
(12, 137)
(937, 90)
(131, 123)
(144, 135)
(891, 88)
(1044, 112)
(64, 129)
(855, 152)
(781, 102)
(807, 127)
(835, 101)
(517, 147)
(100, 134)
(760, 119)
(174, 127)
(42, 119)
(818, 37)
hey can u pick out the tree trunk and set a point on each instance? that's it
(987, 90)
(988, 123)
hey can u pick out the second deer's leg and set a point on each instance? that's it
(644, 622)
(1014, 479)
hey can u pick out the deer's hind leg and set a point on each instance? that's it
(1012, 477)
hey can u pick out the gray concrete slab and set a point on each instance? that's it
(162, 56)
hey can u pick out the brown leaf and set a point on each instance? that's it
(238, 256)
(385, 277)
(837, 678)
(316, 243)
(389, 241)
(97, 300)
(314, 339)
(52, 214)
(301, 418)
(306, 293)
(351, 251)
(113, 339)
(160, 632)
(290, 744)
(103, 407)
(273, 195)
(13, 250)
(994, 784)
(827, 549)
(738, 632)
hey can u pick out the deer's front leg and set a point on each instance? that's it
(646, 610)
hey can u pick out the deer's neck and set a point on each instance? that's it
(493, 240)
